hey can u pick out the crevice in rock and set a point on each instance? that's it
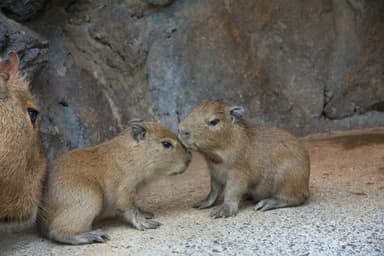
(70, 7)
(356, 5)
(157, 6)
(379, 106)
(170, 32)
(101, 39)
(63, 103)
(326, 100)
(357, 111)
(5, 43)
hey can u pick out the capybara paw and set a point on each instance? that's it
(224, 210)
(266, 204)
(146, 214)
(143, 224)
(138, 219)
(98, 236)
(203, 204)
(94, 236)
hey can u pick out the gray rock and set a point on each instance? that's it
(361, 88)
(306, 67)
(31, 47)
(21, 10)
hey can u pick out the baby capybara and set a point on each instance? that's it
(264, 163)
(101, 181)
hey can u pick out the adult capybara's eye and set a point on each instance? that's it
(167, 144)
(33, 113)
(213, 122)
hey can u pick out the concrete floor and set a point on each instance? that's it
(344, 216)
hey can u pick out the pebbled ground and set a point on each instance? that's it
(344, 216)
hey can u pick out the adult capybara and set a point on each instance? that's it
(22, 160)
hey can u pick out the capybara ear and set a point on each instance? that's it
(9, 68)
(236, 113)
(14, 64)
(138, 129)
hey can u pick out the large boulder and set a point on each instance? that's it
(306, 66)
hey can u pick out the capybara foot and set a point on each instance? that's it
(142, 224)
(272, 203)
(224, 210)
(139, 220)
(203, 204)
(146, 214)
(94, 236)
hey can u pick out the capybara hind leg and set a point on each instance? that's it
(94, 236)
(74, 227)
(273, 203)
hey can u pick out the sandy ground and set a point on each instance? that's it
(344, 216)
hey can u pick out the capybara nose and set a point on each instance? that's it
(184, 134)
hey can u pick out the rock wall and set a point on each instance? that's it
(21, 10)
(31, 47)
(306, 66)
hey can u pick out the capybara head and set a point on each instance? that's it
(22, 161)
(163, 151)
(209, 126)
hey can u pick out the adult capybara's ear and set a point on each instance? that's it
(14, 64)
(138, 129)
(236, 113)
(10, 67)
(8, 71)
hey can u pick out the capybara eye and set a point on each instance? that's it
(167, 144)
(213, 122)
(33, 113)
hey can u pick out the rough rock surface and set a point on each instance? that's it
(362, 85)
(344, 215)
(21, 10)
(306, 66)
(31, 47)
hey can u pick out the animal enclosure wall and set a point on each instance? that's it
(307, 66)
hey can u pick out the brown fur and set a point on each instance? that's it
(101, 181)
(22, 161)
(268, 164)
